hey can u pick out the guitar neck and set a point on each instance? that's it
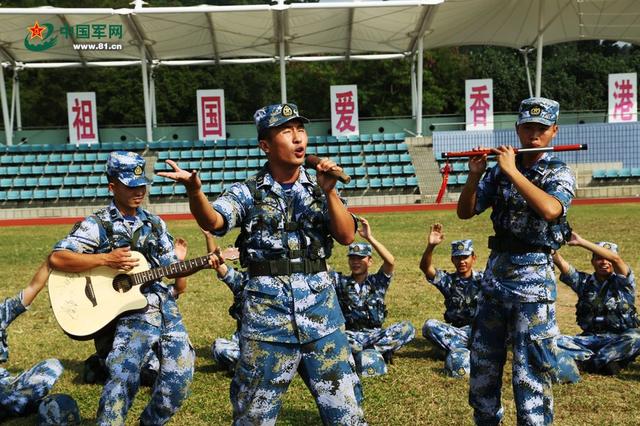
(173, 269)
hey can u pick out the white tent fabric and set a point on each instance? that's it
(218, 33)
(517, 23)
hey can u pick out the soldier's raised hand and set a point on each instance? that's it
(190, 180)
(436, 235)
(181, 248)
(365, 230)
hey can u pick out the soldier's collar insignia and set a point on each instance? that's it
(137, 171)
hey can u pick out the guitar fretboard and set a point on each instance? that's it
(173, 269)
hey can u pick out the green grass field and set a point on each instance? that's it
(414, 391)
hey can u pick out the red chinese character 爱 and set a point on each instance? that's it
(345, 108)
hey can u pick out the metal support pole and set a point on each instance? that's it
(16, 89)
(413, 87)
(8, 131)
(145, 94)
(419, 88)
(152, 90)
(283, 75)
(539, 52)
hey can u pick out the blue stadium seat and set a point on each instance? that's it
(26, 194)
(91, 156)
(360, 171)
(229, 176)
(377, 137)
(408, 169)
(89, 192)
(10, 170)
(253, 163)
(229, 164)
(453, 180)
(64, 193)
(367, 149)
(399, 181)
(56, 180)
(405, 158)
(24, 170)
(155, 190)
(332, 140)
(387, 182)
(365, 137)
(342, 139)
(399, 136)
(37, 169)
(13, 195)
(216, 175)
(624, 173)
(52, 193)
(180, 190)
(242, 164)
(167, 190)
(394, 158)
(382, 159)
(75, 168)
(370, 159)
(375, 183)
(69, 180)
(164, 155)
(50, 169)
(42, 158)
(373, 171)
(241, 175)
(6, 182)
(103, 157)
(93, 180)
(412, 181)
(403, 147)
(458, 166)
(102, 192)
(206, 165)
(385, 170)
(355, 148)
(379, 148)
(462, 179)
(344, 149)
(635, 172)
(389, 137)
(396, 170)
(255, 152)
(31, 182)
(353, 138)
(611, 173)
(86, 168)
(334, 149)
(390, 147)
(55, 157)
(82, 180)
(19, 182)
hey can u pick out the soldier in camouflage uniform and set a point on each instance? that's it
(361, 296)
(106, 239)
(461, 290)
(291, 316)
(606, 310)
(19, 395)
(530, 194)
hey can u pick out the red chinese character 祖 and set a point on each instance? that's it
(625, 96)
(345, 109)
(211, 118)
(83, 122)
(480, 106)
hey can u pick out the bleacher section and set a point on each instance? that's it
(63, 174)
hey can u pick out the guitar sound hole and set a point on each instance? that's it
(122, 283)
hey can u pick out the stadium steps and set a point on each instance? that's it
(421, 152)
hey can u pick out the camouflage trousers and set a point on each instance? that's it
(531, 327)
(135, 336)
(20, 395)
(454, 341)
(9, 309)
(226, 352)
(388, 339)
(610, 347)
(266, 369)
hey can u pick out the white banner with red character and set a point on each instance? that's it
(83, 117)
(623, 97)
(211, 121)
(479, 104)
(344, 110)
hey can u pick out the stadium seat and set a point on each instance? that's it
(93, 180)
(362, 183)
(388, 137)
(405, 158)
(19, 182)
(342, 139)
(322, 150)
(377, 137)
(403, 147)
(387, 182)
(89, 192)
(382, 159)
(396, 170)
(360, 171)
(367, 149)
(412, 181)
(458, 167)
(375, 183)
(400, 182)
(56, 180)
(394, 158)
(611, 173)
(390, 148)
(102, 192)
(408, 169)
(26, 194)
(365, 137)
(6, 182)
(635, 172)
(379, 148)
(64, 193)
(453, 180)
(75, 168)
(24, 170)
(462, 179)
(399, 136)
(13, 195)
(332, 140)
(344, 148)
(51, 193)
(334, 149)
(69, 180)
(373, 171)
(385, 170)
(624, 173)
(31, 182)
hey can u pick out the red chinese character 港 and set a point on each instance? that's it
(624, 94)
(83, 121)
(345, 108)
(480, 106)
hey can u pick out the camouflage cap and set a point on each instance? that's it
(128, 168)
(538, 110)
(58, 410)
(462, 248)
(370, 363)
(457, 363)
(276, 115)
(359, 249)
(608, 245)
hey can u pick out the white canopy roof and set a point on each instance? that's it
(517, 23)
(171, 35)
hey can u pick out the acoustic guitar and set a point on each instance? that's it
(86, 302)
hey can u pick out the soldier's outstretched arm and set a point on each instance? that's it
(562, 264)
(435, 237)
(387, 258)
(619, 265)
(199, 205)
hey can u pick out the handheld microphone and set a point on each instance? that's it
(311, 162)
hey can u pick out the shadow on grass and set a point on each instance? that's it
(74, 367)
(420, 348)
(299, 416)
(204, 353)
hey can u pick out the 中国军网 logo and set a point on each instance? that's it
(40, 37)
